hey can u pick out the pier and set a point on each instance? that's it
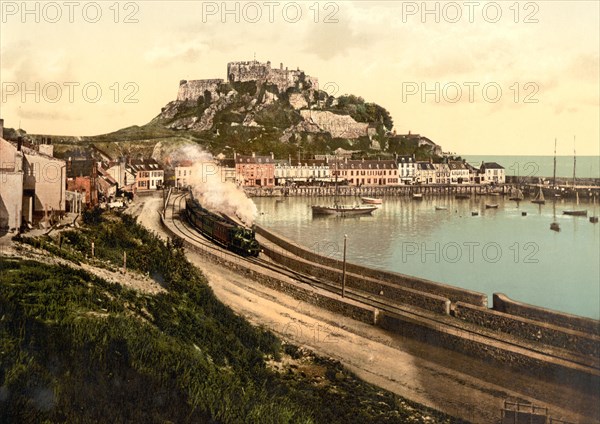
(529, 189)
(375, 191)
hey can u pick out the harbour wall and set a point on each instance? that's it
(454, 294)
(535, 331)
(538, 366)
(503, 303)
(399, 295)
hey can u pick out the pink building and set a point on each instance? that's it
(255, 171)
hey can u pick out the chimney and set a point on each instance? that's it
(253, 154)
(281, 66)
(1, 128)
(19, 143)
(272, 156)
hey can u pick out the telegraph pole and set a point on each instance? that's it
(344, 268)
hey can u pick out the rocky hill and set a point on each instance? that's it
(262, 109)
(276, 110)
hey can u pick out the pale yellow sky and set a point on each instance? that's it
(387, 52)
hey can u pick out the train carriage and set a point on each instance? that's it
(222, 231)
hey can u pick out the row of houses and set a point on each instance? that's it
(36, 186)
(266, 171)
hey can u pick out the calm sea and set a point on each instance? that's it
(543, 166)
(497, 251)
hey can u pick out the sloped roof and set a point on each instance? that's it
(491, 165)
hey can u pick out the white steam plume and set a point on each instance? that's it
(210, 188)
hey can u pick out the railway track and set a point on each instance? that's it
(442, 323)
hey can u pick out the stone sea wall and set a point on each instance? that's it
(503, 303)
(539, 332)
(454, 294)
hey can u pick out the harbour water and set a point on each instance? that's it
(499, 250)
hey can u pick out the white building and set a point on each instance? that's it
(491, 172)
(183, 174)
(407, 167)
(311, 170)
(459, 173)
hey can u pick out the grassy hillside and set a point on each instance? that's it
(75, 348)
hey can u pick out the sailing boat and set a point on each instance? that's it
(539, 197)
(575, 212)
(516, 194)
(341, 210)
(554, 186)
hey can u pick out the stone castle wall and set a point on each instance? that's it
(283, 78)
(193, 90)
(247, 71)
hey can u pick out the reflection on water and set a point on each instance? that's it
(497, 251)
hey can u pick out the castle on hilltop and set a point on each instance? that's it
(248, 71)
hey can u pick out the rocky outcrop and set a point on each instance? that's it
(339, 126)
(297, 101)
(205, 122)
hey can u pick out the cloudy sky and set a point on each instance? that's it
(477, 78)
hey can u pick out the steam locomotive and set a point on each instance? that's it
(222, 231)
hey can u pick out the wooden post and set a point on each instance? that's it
(344, 269)
(93, 249)
(124, 261)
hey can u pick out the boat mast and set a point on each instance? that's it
(554, 175)
(574, 162)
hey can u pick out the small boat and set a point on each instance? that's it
(539, 198)
(339, 209)
(417, 196)
(371, 201)
(494, 193)
(474, 213)
(462, 196)
(594, 219)
(441, 208)
(490, 206)
(343, 210)
(523, 213)
(576, 212)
